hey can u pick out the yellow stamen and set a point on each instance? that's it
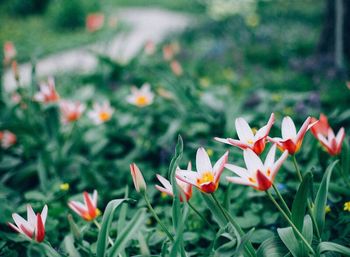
(252, 180)
(206, 177)
(141, 100)
(250, 142)
(104, 116)
(268, 172)
(347, 206)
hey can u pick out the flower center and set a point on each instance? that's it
(250, 141)
(206, 177)
(104, 116)
(141, 100)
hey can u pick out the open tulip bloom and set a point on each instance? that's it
(325, 134)
(291, 140)
(71, 111)
(141, 97)
(88, 211)
(47, 93)
(247, 138)
(167, 188)
(101, 113)
(207, 177)
(257, 174)
(33, 227)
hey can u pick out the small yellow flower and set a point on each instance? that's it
(210, 152)
(347, 206)
(64, 187)
(276, 97)
(252, 20)
(327, 209)
(204, 82)
(163, 195)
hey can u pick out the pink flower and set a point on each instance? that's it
(139, 181)
(141, 97)
(170, 50)
(247, 138)
(101, 113)
(325, 134)
(94, 21)
(88, 211)
(149, 47)
(33, 227)
(71, 111)
(186, 189)
(207, 177)
(290, 140)
(257, 175)
(47, 93)
(176, 68)
(9, 52)
(7, 139)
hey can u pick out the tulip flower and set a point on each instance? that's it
(101, 113)
(71, 111)
(149, 47)
(88, 211)
(9, 52)
(291, 140)
(247, 138)
(176, 68)
(207, 177)
(139, 181)
(94, 21)
(141, 97)
(47, 93)
(33, 227)
(186, 189)
(170, 50)
(325, 134)
(7, 139)
(257, 175)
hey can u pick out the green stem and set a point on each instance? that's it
(249, 247)
(157, 218)
(300, 177)
(290, 222)
(99, 228)
(282, 200)
(200, 215)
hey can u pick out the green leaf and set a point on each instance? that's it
(300, 201)
(127, 233)
(245, 239)
(288, 238)
(321, 198)
(68, 244)
(272, 247)
(218, 215)
(307, 231)
(102, 240)
(333, 247)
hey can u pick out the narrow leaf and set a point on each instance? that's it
(288, 238)
(321, 198)
(102, 240)
(272, 247)
(128, 232)
(333, 247)
(300, 201)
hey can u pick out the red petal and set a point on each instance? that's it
(263, 182)
(90, 206)
(259, 146)
(40, 229)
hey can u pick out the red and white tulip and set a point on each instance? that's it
(71, 111)
(87, 210)
(141, 97)
(9, 52)
(47, 93)
(101, 113)
(325, 134)
(94, 21)
(33, 227)
(257, 174)
(139, 181)
(7, 139)
(207, 177)
(186, 189)
(247, 138)
(291, 140)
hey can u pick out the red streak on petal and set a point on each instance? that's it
(40, 229)
(263, 182)
(259, 146)
(90, 206)
(26, 231)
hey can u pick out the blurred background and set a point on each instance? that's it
(207, 62)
